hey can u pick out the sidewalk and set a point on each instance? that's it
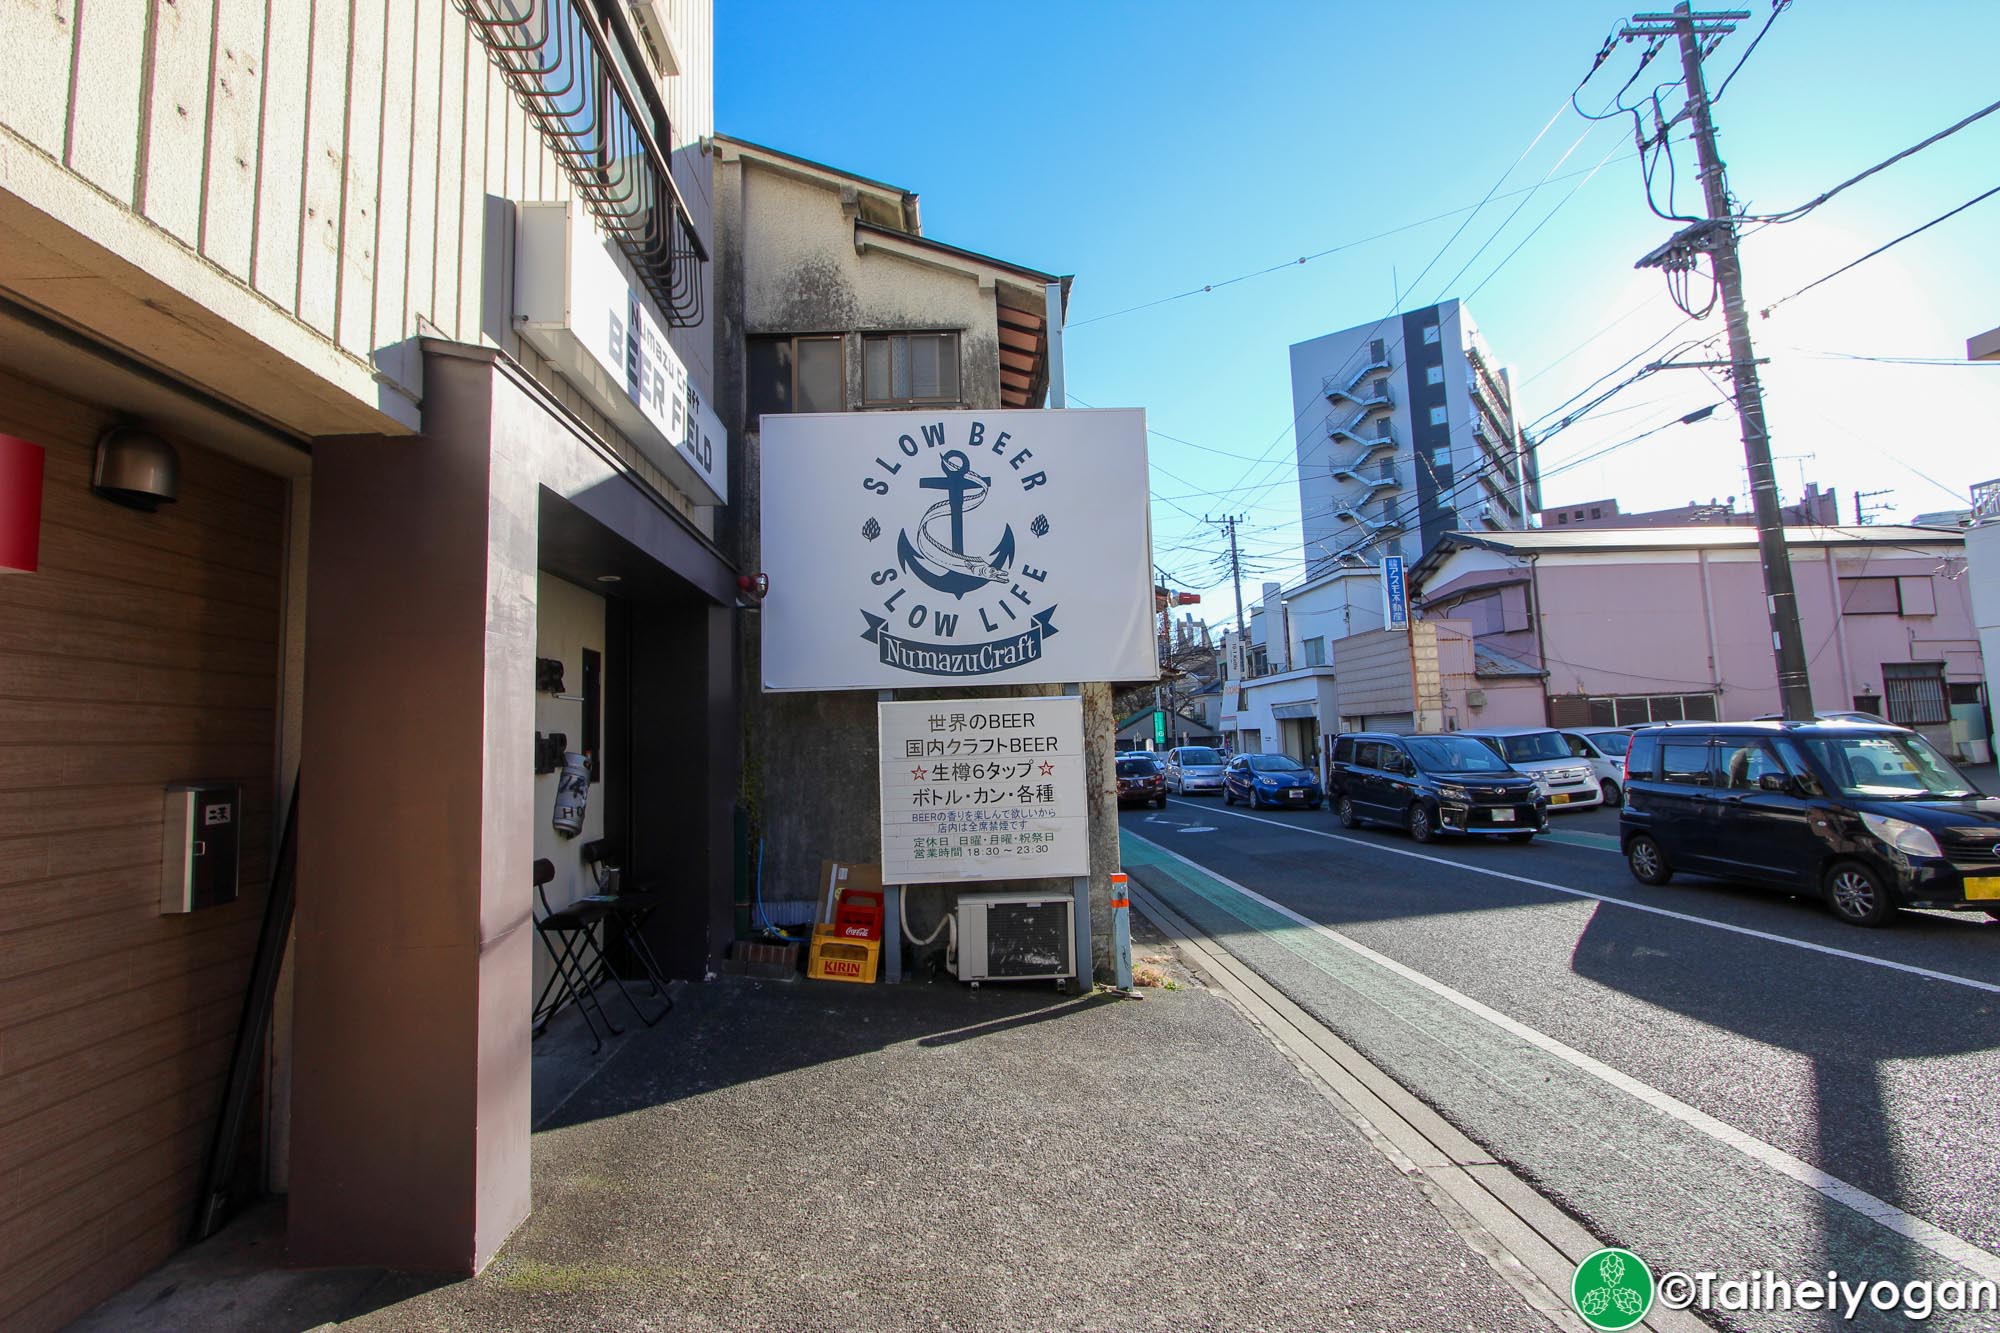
(804, 1155)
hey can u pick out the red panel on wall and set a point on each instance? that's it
(20, 505)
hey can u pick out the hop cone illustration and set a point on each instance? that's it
(1040, 527)
(1610, 1293)
(871, 529)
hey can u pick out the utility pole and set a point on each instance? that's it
(1235, 574)
(1717, 236)
(1862, 515)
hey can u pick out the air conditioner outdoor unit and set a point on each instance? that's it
(1016, 937)
(650, 19)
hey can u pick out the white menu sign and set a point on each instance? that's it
(983, 789)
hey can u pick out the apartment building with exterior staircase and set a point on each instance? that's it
(1405, 430)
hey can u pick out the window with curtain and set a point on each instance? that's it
(898, 368)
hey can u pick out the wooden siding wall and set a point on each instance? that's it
(336, 159)
(144, 652)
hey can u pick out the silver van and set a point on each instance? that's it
(1194, 768)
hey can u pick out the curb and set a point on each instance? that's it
(1531, 1243)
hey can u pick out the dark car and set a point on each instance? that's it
(1270, 779)
(1432, 784)
(1140, 781)
(1866, 818)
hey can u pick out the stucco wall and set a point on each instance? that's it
(1666, 622)
(567, 620)
(808, 277)
(790, 265)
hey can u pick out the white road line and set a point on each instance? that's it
(1932, 1237)
(1925, 972)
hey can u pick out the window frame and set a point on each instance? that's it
(792, 341)
(1935, 711)
(888, 336)
(1724, 754)
(1851, 584)
(1707, 776)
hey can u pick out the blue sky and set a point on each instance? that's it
(1154, 149)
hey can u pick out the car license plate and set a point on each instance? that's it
(1503, 816)
(1982, 888)
(1560, 798)
(1296, 794)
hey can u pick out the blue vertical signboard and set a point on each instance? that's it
(1395, 598)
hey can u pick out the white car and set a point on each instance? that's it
(1603, 748)
(1543, 754)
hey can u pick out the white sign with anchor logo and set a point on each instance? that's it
(927, 549)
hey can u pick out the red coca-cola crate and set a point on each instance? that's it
(858, 914)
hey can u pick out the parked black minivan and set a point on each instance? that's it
(1432, 784)
(1868, 817)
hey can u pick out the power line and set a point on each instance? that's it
(1447, 496)
(1487, 468)
(1645, 304)
(1209, 287)
(1415, 282)
(1793, 214)
(1311, 400)
(1536, 229)
(1777, 7)
(1886, 245)
(1957, 362)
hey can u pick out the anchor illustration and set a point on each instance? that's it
(949, 568)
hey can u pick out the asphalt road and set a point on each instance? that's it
(1716, 1077)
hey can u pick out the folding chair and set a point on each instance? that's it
(633, 907)
(568, 936)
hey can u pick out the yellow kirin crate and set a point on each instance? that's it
(837, 959)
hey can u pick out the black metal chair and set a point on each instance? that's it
(570, 942)
(633, 906)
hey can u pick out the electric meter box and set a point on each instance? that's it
(202, 846)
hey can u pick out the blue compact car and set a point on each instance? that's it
(1270, 779)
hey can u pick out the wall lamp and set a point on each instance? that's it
(136, 469)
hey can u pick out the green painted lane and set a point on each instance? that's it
(1603, 842)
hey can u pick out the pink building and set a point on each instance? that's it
(1657, 624)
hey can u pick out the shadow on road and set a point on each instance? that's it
(1850, 1129)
